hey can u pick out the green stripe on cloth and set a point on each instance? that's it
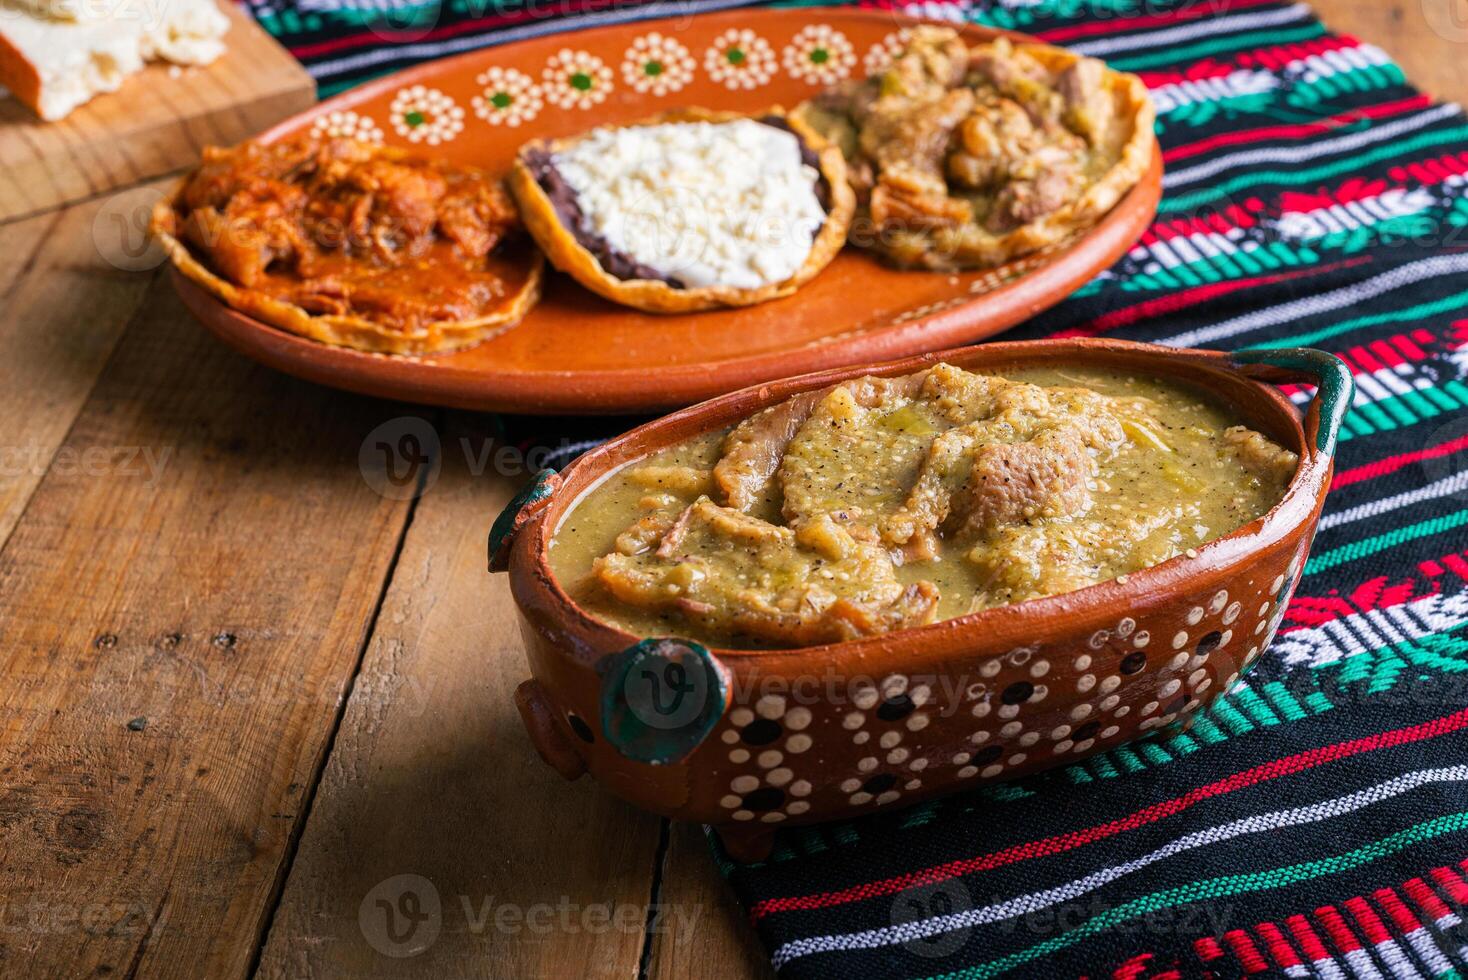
(1448, 304)
(1370, 546)
(1307, 175)
(1222, 887)
(1202, 49)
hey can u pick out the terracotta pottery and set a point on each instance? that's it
(579, 353)
(749, 741)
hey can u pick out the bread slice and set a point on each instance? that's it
(57, 54)
(66, 9)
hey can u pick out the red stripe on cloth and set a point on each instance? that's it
(1278, 56)
(1190, 297)
(1433, 171)
(1201, 71)
(1279, 947)
(1369, 358)
(1409, 344)
(1136, 968)
(1314, 611)
(1123, 24)
(1208, 949)
(1335, 927)
(1371, 924)
(1326, 125)
(1397, 910)
(1248, 954)
(1290, 765)
(1386, 354)
(1306, 937)
(1222, 222)
(1427, 900)
(1166, 304)
(1349, 192)
(1452, 884)
(1458, 566)
(1272, 58)
(1390, 464)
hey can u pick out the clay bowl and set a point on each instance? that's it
(749, 741)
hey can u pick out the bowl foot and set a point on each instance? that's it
(541, 721)
(746, 844)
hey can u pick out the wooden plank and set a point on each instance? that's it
(432, 775)
(155, 124)
(177, 633)
(1423, 36)
(692, 889)
(73, 280)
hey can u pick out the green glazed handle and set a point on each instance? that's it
(520, 509)
(660, 698)
(1335, 386)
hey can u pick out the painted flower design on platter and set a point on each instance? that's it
(881, 54)
(657, 64)
(507, 97)
(819, 55)
(345, 124)
(575, 79)
(426, 115)
(740, 59)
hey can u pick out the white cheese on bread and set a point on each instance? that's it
(54, 65)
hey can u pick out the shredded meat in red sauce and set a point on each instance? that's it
(337, 227)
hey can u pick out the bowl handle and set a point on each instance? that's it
(1330, 375)
(660, 698)
(523, 506)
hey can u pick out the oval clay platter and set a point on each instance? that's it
(578, 353)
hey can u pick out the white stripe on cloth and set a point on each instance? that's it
(1328, 969)
(1390, 952)
(1337, 299)
(1360, 962)
(1448, 486)
(1293, 226)
(1203, 28)
(1359, 632)
(1174, 95)
(1171, 96)
(381, 6)
(1027, 904)
(1313, 150)
(1397, 202)
(1421, 942)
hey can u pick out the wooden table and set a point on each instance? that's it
(245, 693)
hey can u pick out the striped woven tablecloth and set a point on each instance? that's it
(1315, 823)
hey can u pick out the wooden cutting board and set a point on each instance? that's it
(155, 124)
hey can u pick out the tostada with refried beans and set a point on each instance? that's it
(692, 210)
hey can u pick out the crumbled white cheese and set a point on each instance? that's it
(711, 204)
